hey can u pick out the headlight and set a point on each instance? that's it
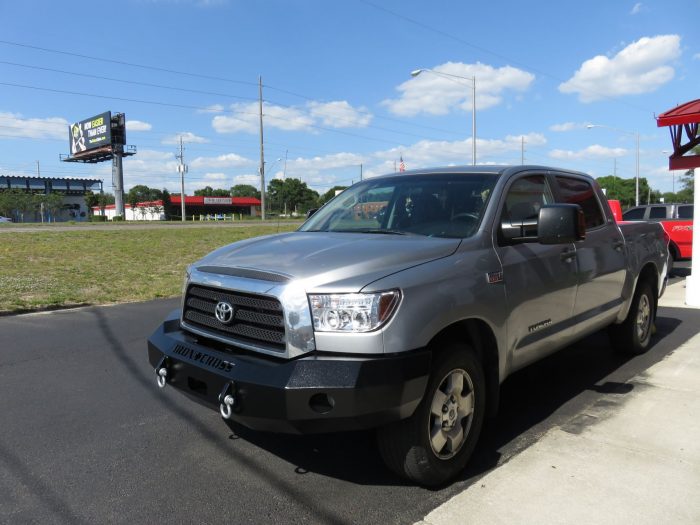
(352, 312)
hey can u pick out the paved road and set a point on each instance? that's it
(87, 437)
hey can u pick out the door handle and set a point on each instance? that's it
(618, 245)
(568, 255)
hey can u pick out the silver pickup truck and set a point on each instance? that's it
(405, 302)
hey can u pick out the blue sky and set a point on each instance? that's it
(337, 86)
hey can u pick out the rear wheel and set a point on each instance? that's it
(633, 336)
(435, 443)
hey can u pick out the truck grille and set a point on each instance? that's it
(257, 320)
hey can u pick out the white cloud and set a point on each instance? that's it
(437, 93)
(215, 177)
(641, 67)
(187, 137)
(137, 125)
(339, 114)
(229, 160)
(591, 152)
(696, 56)
(214, 108)
(638, 8)
(336, 114)
(245, 118)
(15, 125)
(249, 178)
(568, 126)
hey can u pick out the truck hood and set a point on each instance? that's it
(344, 261)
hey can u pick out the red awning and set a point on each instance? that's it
(685, 117)
(687, 113)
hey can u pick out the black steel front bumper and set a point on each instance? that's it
(315, 393)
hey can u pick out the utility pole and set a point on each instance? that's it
(360, 172)
(182, 169)
(522, 149)
(38, 170)
(262, 152)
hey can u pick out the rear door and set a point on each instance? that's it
(601, 259)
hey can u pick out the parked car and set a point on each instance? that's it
(677, 222)
(410, 320)
(5, 219)
(658, 212)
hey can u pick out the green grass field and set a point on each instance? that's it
(49, 269)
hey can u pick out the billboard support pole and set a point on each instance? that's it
(118, 180)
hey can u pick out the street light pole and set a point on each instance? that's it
(636, 137)
(417, 72)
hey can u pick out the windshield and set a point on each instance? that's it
(435, 205)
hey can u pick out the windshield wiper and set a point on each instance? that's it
(375, 230)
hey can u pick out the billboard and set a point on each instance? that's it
(90, 134)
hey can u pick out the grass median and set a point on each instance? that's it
(53, 269)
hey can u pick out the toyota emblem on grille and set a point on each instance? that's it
(224, 312)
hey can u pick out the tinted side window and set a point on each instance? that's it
(576, 191)
(657, 212)
(685, 212)
(634, 214)
(525, 198)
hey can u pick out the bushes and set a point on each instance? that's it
(98, 218)
(117, 218)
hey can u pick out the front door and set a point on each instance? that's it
(540, 280)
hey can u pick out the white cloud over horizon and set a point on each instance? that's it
(595, 151)
(187, 137)
(641, 67)
(335, 114)
(439, 91)
(228, 160)
(15, 125)
(568, 126)
(137, 125)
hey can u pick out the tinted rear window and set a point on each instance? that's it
(576, 191)
(657, 212)
(685, 212)
(634, 214)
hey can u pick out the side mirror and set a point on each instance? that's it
(561, 224)
(311, 212)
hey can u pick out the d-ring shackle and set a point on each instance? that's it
(227, 400)
(162, 372)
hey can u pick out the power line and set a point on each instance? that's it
(133, 82)
(124, 63)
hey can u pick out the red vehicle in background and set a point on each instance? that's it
(677, 222)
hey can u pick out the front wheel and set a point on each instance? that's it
(435, 443)
(633, 335)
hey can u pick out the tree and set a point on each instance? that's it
(293, 193)
(91, 200)
(245, 190)
(142, 193)
(15, 202)
(323, 199)
(167, 201)
(103, 199)
(624, 190)
(208, 191)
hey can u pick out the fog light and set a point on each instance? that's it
(321, 403)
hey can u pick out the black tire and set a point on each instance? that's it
(407, 447)
(633, 336)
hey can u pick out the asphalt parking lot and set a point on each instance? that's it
(87, 436)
